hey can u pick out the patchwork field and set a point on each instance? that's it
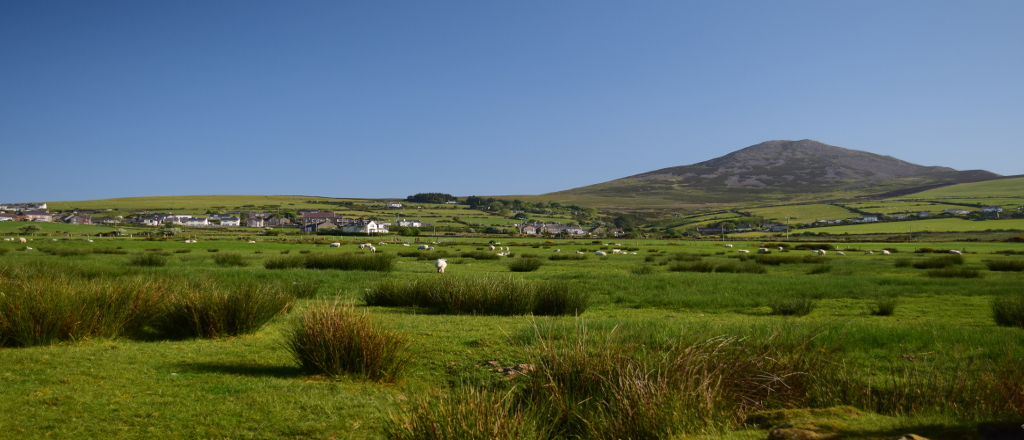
(930, 225)
(871, 345)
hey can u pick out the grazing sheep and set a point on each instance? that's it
(820, 252)
(405, 244)
(558, 250)
(954, 251)
(762, 250)
(89, 241)
(727, 245)
(430, 248)
(22, 240)
(781, 248)
(440, 264)
(743, 251)
(868, 252)
(616, 251)
(27, 248)
(600, 253)
(372, 249)
(252, 241)
(885, 252)
(632, 253)
(335, 244)
(8, 239)
(491, 247)
(53, 239)
(840, 254)
(422, 247)
(580, 252)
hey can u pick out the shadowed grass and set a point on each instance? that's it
(1005, 265)
(1008, 310)
(230, 259)
(525, 264)
(485, 295)
(206, 309)
(467, 413)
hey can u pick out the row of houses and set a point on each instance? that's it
(558, 229)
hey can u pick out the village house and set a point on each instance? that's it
(254, 222)
(954, 211)
(37, 216)
(77, 219)
(195, 222)
(105, 221)
(394, 204)
(869, 219)
(409, 223)
(923, 214)
(308, 218)
(709, 230)
(991, 211)
(7, 217)
(325, 225)
(230, 221)
(899, 216)
(365, 227)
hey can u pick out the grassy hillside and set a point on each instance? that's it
(200, 203)
(933, 225)
(1011, 188)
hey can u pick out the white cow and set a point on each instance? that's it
(440, 264)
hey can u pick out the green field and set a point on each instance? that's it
(802, 213)
(1009, 188)
(900, 372)
(932, 225)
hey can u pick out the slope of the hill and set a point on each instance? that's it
(773, 171)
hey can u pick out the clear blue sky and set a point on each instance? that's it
(106, 99)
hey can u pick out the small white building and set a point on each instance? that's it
(365, 227)
(409, 223)
(230, 221)
(394, 204)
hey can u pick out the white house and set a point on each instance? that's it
(230, 221)
(365, 227)
(254, 222)
(394, 204)
(195, 221)
(409, 223)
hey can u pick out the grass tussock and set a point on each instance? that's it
(954, 272)
(230, 259)
(776, 260)
(567, 257)
(42, 310)
(205, 309)
(1005, 265)
(525, 264)
(304, 289)
(479, 255)
(333, 339)
(793, 306)
(379, 262)
(939, 262)
(642, 269)
(467, 413)
(708, 267)
(147, 259)
(821, 269)
(883, 306)
(1008, 310)
(486, 295)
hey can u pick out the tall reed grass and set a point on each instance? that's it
(147, 259)
(1006, 265)
(230, 259)
(466, 413)
(333, 339)
(207, 309)
(525, 264)
(939, 262)
(485, 295)
(379, 262)
(1008, 310)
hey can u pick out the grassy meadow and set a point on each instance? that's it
(223, 338)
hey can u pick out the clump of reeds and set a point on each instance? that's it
(486, 295)
(1006, 265)
(379, 262)
(792, 306)
(939, 262)
(147, 259)
(883, 306)
(1008, 310)
(525, 264)
(38, 309)
(230, 259)
(333, 339)
(466, 413)
(954, 272)
(207, 309)
(479, 255)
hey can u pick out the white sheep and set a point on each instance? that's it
(820, 252)
(616, 251)
(335, 244)
(405, 244)
(632, 253)
(53, 239)
(89, 241)
(440, 264)
(781, 248)
(22, 240)
(600, 253)
(422, 247)
(743, 251)
(762, 250)
(27, 248)
(558, 250)
(840, 254)
(885, 252)
(491, 247)
(8, 239)
(252, 241)
(954, 251)
(727, 245)
(580, 252)
(868, 252)
(372, 249)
